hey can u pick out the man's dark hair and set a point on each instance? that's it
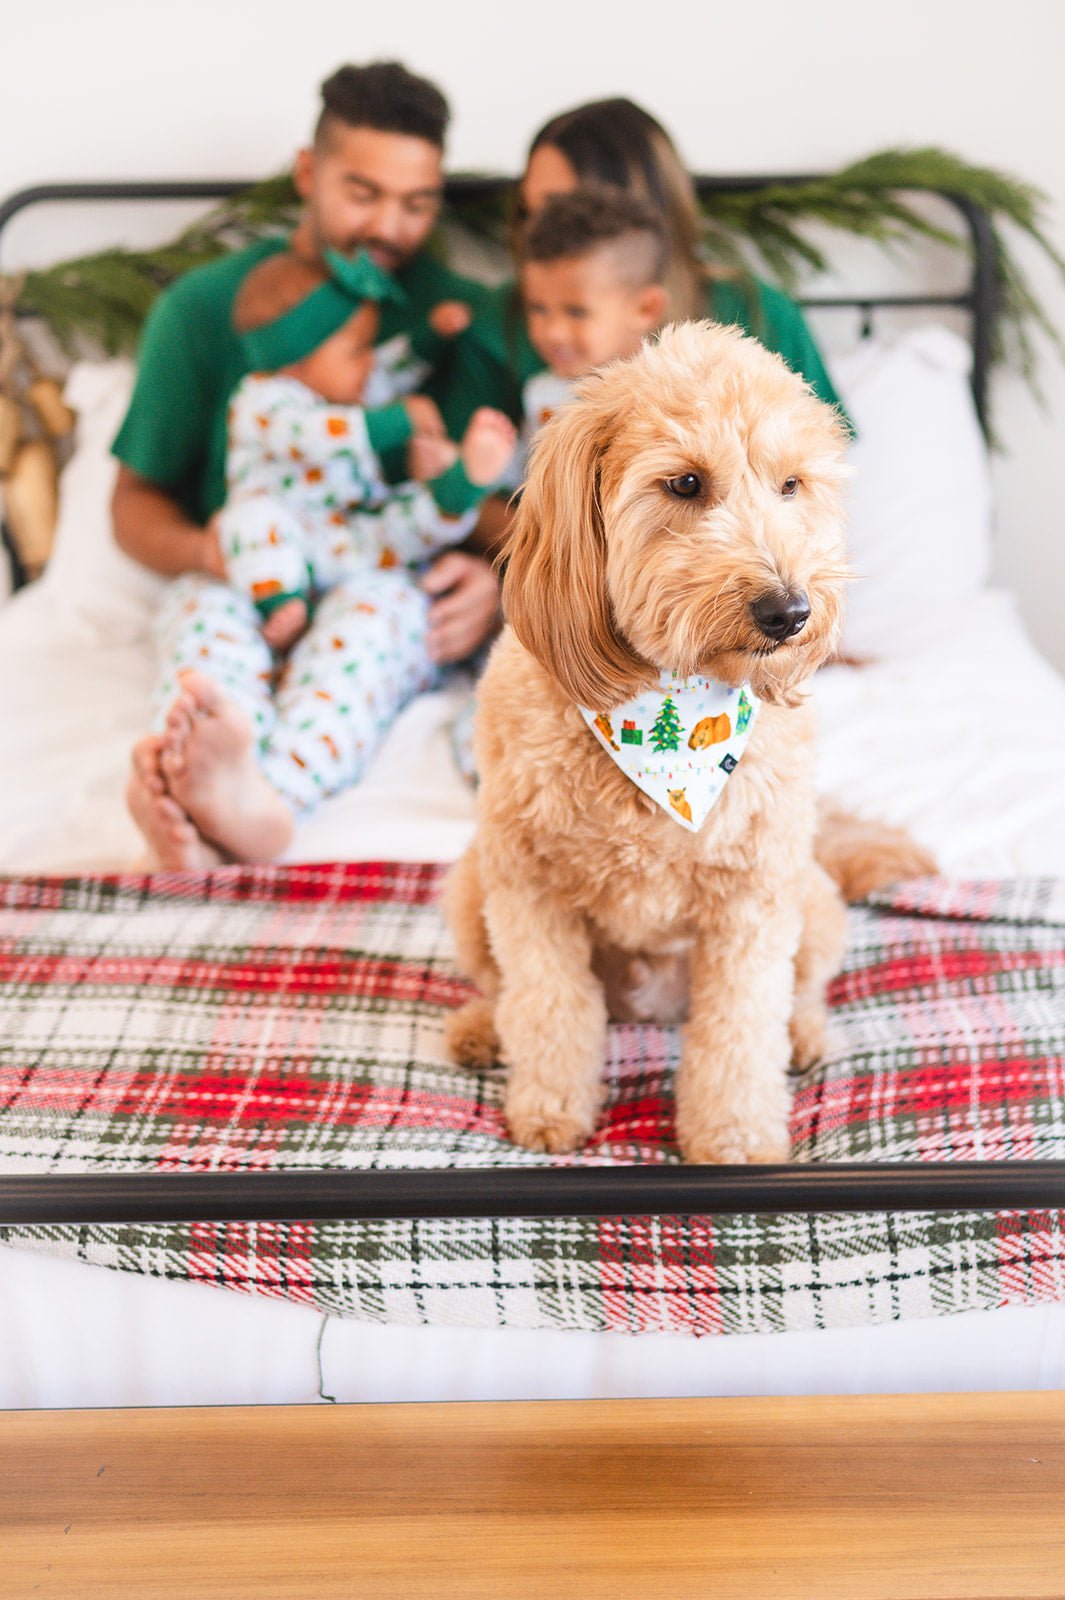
(386, 97)
(590, 219)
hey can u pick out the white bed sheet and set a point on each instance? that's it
(79, 1335)
(964, 742)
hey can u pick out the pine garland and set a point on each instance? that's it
(866, 199)
(101, 300)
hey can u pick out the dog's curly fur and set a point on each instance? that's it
(611, 578)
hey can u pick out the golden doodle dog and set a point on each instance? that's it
(682, 525)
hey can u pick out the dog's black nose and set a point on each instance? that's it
(781, 615)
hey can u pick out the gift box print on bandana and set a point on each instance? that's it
(679, 743)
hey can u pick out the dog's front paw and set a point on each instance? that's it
(734, 1145)
(545, 1119)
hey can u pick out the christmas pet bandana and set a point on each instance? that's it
(679, 743)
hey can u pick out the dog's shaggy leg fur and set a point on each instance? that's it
(820, 954)
(470, 1032)
(733, 1097)
(863, 856)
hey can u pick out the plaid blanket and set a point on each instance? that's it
(291, 1017)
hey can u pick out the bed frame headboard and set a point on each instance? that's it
(977, 297)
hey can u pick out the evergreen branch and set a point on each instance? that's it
(865, 199)
(103, 299)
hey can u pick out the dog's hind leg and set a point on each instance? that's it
(470, 1032)
(820, 952)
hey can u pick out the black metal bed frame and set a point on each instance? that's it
(58, 1198)
(977, 298)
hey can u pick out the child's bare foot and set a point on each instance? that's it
(285, 625)
(208, 762)
(172, 841)
(487, 446)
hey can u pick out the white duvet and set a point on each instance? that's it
(964, 742)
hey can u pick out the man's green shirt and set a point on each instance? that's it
(190, 361)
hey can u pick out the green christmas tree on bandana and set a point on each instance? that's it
(743, 712)
(665, 735)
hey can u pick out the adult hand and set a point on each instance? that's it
(465, 609)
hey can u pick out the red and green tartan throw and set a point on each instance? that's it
(291, 1017)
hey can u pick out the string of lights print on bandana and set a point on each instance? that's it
(679, 743)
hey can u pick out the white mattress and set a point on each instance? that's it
(963, 742)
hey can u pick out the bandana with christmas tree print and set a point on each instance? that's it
(679, 743)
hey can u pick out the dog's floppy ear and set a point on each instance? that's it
(554, 590)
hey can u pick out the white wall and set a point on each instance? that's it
(124, 89)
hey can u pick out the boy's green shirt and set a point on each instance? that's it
(497, 359)
(190, 361)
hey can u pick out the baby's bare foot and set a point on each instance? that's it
(285, 625)
(173, 843)
(212, 773)
(487, 446)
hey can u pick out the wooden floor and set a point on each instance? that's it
(858, 1498)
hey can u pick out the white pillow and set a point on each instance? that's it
(920, 500)
(87, 573)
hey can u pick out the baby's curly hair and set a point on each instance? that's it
(590, 219)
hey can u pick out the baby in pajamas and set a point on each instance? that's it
(307, 501)
(319, 638)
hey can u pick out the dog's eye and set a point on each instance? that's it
(686, 486)
(789, 488)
